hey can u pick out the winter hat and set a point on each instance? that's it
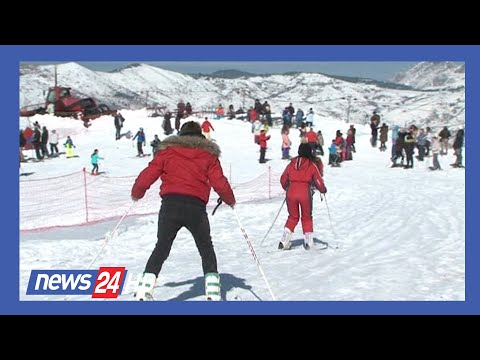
(190, 128)
(304, 150)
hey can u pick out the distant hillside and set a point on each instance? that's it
(332, 97)
(431, 75)
(225, 74)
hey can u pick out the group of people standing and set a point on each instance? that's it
(40, 138)
(405, 141)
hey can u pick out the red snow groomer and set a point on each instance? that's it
(60, 102)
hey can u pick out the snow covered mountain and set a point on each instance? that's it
(434, 76)
(331, 98)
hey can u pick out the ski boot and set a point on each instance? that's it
(308, 241)
(285, 242)
(212, 287)
(145, 287)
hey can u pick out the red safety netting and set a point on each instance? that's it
(79, 198)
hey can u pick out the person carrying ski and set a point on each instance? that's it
(118, 122)
(298, 178)
(189, 167)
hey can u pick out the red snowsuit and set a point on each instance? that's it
(297, 179)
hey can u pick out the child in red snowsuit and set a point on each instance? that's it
(298, 178)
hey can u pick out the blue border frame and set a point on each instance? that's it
(9, 256)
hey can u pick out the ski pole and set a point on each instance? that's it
(106, 240)
(250, 246)
(219, 202)
(329, 217)
(108, 237)
(284, 200)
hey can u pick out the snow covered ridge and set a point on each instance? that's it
(434, 75)
(439, 100)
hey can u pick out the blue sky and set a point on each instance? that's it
(372, 70)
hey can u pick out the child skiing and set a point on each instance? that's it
(95, 157)
(299, 177)
(206, 127)
(69, 145)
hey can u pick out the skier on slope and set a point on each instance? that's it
(94, 158)
(189, 167)
(301, 174)
(141, 142)
(206, 127)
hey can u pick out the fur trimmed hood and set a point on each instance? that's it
(191, 142)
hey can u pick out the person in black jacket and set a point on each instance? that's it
(23, 142)
(44, 142)
(444, 135)
(155, 144)
(37, 141)
(118, 121)
(167, 125)
(458, 146)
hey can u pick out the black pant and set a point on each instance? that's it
(179, 211)
(117, 133)
(262, 155)
(53, 148)
(177, 122)
(37, 147)
(44, 149)
(140, 148)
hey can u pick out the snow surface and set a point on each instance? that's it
(393, 234)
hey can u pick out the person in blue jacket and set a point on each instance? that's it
(140, 136)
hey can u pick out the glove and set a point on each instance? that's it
(134, 198)
(233, 205)
(324, 190)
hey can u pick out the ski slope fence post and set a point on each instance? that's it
(85, 191)
(252, 250)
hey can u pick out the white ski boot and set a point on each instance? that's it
(145, 287)
(285, 242)
(308, 241)
(212, 287)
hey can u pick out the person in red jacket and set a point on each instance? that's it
(188, 166)
(297, 179)
(206, 127)
(312, 139)
(263, 145)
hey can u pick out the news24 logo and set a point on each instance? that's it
(104, 283)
